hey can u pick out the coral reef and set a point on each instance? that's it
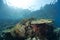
(41, 29)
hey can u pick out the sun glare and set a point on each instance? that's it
(28, 4)
(18, 3)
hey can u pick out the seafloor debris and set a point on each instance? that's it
(31, 29)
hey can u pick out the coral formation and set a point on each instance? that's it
(33, 29)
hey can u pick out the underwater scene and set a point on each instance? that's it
(29, 19)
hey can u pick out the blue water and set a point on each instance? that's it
(10, 15)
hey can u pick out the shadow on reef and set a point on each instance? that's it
(32, 29)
